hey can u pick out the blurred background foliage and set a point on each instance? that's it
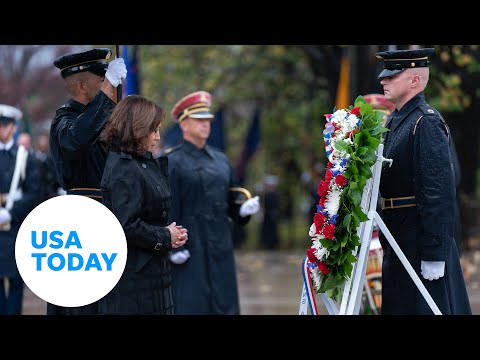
(293, 86)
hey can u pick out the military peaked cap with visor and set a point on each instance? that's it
(195, 105)
(94, 61)
(9, 114)
(396, 61)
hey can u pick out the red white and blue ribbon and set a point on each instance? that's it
(308, 294)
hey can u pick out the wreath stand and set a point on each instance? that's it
(352, 294)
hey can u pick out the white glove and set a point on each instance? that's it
(432, 270)
(180, 257)
(116, 72)
(250, 207)
(5, 216)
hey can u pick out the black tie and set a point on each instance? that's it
(391, 122)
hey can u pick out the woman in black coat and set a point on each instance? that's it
(135, 188)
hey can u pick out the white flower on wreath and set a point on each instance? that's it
(339, 135)
(332, 204)
(313, 233)
(351, 123)
(320, 252)
(337, 155)
(338, 116)
(349, 141)
(316, 276)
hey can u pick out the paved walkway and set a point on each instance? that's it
(270, 283)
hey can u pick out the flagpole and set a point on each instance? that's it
(119, 87)
(342, 99)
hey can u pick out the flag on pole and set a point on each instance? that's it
(132, 82)
(343, 89)
(217, 138)
(250, 147)
(172, 137)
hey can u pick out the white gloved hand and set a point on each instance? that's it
(250, 207)
(180, 257)
(116, 72)
(432, 270)
(5, 216)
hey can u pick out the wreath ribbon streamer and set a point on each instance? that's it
(308, 294)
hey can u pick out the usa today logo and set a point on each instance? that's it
(71, 250)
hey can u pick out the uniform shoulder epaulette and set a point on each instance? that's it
(428, 110)
(171, 149)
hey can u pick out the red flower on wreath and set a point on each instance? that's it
(322, 266)
(319, 220)
(350, 133)
(329, 232)
(355, 111)
(311, 255)
(341, 180)
(322, 188)
(322, 201)
(328, 176)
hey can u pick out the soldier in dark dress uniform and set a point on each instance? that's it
(135, 188)
(204, 200)
(47, 176)
(12, 213)
(78, 155)
(269, 234)
(418, 194)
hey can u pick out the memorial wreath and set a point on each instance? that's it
(351, 138)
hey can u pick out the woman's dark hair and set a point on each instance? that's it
(132, 120)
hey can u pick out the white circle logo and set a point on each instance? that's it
(71, 250)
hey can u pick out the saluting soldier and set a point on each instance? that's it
(19, 194)
(204, 199)
(79, 156)
(418, 193)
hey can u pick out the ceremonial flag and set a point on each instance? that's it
(172, 137)
(217, 138)
(131, 84)
(343, 89)
(250, 147)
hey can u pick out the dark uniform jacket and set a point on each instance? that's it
(47, 176)
(136, 190)
(200, 180)
(269, 228)
(422, 167)
(21, 208)
(79, 156)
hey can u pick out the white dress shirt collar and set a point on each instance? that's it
(6, 146)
